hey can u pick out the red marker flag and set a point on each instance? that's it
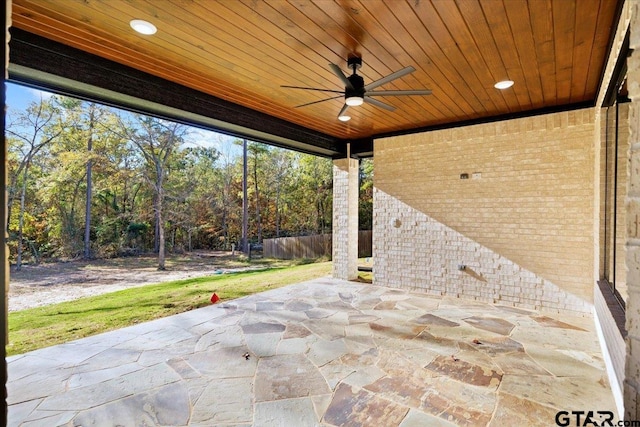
(214, 298)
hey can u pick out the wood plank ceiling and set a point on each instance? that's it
(244, 50)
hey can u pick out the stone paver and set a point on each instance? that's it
(320, 353)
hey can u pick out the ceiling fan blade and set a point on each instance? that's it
(379, 104)
(316, 102)
(338, 72)
(343, 109)
(398, 92)
(311, 88)
(392, 76)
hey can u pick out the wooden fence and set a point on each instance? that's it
(311, 246)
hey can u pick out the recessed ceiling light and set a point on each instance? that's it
(505, 84)
(143, 27)
(344, 118)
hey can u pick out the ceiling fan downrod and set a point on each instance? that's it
(354, 63)
(354, 95)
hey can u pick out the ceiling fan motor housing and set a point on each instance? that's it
(358, 86)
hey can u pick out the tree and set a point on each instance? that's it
(225, 200)
(190, 191)
(157, 140)
(88, 192)
(276, 178)
(365, 205)
(92, 119)
(32, 131)
(75, 173)
(316, 187)
(258, 151)
(83, 119)
(280, 167)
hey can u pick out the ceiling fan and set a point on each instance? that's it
(356, 92)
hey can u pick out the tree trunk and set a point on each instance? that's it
(156, 211)
(245, 202)
(87, 215)
(87, 208)
(10, 198)
(225, 228)
(160, 228)
(277, 207)
(21, 219)
(255, 187)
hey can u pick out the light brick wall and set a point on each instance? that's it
(345, 219)
(524, 227)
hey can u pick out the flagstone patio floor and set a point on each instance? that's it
(320, 353)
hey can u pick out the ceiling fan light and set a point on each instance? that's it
(344, 118)
(143, 27)
(504, 84)
(354, 101)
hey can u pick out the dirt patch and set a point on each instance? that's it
(50, 283)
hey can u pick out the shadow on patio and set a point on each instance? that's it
(325, 352)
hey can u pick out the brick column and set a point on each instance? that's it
(345, 219)
(632, 369)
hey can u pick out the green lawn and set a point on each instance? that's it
(58, 323)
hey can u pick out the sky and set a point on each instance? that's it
(19, 97)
